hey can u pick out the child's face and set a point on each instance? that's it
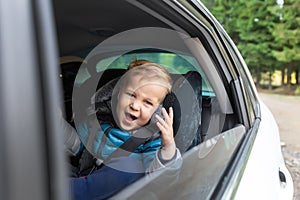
(137, 103)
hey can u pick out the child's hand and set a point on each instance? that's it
(166, 128)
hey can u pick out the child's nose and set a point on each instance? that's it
(134, 105)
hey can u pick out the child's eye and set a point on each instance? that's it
(149, 103)
(130, 94)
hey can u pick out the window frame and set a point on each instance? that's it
(31, 146)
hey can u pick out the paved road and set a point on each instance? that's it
(286, 110)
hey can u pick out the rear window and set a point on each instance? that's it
(174, 63)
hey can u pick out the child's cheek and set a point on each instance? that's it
(146, 115)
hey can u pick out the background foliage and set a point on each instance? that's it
(267, 35)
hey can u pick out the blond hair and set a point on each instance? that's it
(149, 73)
(135, 63)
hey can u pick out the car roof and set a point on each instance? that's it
(82, 25)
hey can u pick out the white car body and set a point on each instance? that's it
(258, 181)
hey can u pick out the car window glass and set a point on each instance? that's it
(174, 63)
(202, 169)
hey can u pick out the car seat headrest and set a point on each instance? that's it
(186, 100)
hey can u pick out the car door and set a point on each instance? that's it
(31, 165)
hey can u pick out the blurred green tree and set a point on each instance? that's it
(287, 37)
(266, 34)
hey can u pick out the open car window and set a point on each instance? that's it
(218, 123)
(212, 142)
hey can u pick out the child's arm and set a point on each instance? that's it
(168, 155)
(71, 139)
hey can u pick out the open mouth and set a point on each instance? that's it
(130, 117)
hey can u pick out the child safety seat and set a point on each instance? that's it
(186, 98)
